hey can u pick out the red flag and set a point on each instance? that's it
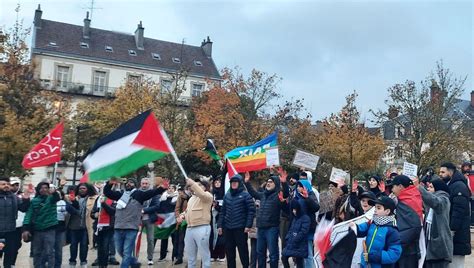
(47, 151)
(230, 169)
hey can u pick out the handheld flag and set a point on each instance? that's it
(211, 150)
(253, 157)
(47, 151)
(132, 145)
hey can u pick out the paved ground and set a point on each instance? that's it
(24, 261)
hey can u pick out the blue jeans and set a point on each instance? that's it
(267, 238)
(125, 245)
(78, 238)
(59, 243)
(308, 262)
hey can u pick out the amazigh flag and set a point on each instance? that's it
(132, 145)
(253, 157)
(47, 151)
(211, 150)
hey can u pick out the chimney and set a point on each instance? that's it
(392, 112)
(86, 30)
(139, 36)
(207, 47)
(37, 20)
(435, 91)
(472, 99)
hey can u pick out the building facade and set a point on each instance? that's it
(89, 63)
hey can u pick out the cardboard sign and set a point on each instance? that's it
(410, 170)
(339, 176)
(305, 160)
(273, 157)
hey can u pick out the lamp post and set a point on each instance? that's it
(79, 129)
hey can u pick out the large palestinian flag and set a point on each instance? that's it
(253, 157)
(132, 145)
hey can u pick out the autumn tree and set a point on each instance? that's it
(345, 143)
(100, 117)
(424, 115)
(27, 112)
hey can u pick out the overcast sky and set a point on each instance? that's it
(323, 50)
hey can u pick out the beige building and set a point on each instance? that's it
(90, 63)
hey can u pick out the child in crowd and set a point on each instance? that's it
(297, 235)
(382, 245)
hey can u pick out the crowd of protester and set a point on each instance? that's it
(278, 219)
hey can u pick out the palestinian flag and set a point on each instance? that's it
(211, 150)
(165, 225)
(132, 145)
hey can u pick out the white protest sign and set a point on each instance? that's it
(339, 176)
(305, 160)
(410, 170)
(272, 156)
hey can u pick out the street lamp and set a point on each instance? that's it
(79, 129)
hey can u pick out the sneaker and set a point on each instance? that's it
(83, 264)
(220, 260)
(161, 259)
(150, 262)
(72, 265)
(113, 261)
(178, 261)
(136, 265)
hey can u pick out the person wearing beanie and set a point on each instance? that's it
(217, 242)
(382, 237)
(268, 217)
(235, 221)
(374, 183)
(128, 215)
(10, 205)
(41, 218)
(409, 219)
(285, 216)
(439, 240)
(460, 214)
(198, 218)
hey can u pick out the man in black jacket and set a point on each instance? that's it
(268, 218)
(460, 213)
(9, 206)
(235, 221)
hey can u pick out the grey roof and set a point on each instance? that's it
(68, 38)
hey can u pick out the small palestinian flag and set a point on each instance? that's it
(132, 145)
(211, 150)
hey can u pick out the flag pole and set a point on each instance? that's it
(55, 167)
(173, 153)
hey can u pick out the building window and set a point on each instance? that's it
(176, 60)
(132, 52)
(84, 45)
(197, 63)
(134, 78)
(62, 76)
(166, 85)
(155, 56)
(197, 90)
(100, 81)
(109, 49)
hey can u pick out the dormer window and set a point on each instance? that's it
(197, 63)
(176, 60)
(109, 49)
(155, 56)
(52, 44)
(132, 52)
(84, 45)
